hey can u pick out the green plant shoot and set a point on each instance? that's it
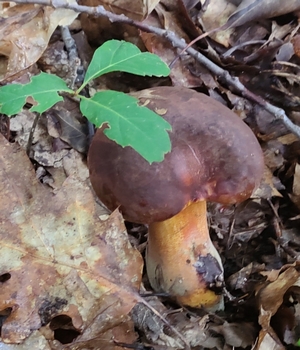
(128, 123)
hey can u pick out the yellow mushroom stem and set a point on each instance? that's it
(182, 261)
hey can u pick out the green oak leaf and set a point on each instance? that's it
(129, 124)
(115, 55)
(43, 88)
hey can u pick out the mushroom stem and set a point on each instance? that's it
(182, 261)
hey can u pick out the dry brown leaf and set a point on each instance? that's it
(271, 296)
(252, 10)
(70, 126)
(269, 186)
(224, 15)
(215, 15)
(296, 186)
(58, 258)
(237, 335)
(137, 10)
(265, 341)
(24, 35)
(287, 139)
(270, 299)
(100, 29)
(239, 280)
(35, 342)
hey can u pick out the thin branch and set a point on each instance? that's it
(180, 43)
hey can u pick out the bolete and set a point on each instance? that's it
(214, 157)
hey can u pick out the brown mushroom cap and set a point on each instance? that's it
(215, 157)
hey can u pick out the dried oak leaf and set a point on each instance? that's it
(25, 31)
(270, 300)
(58, 258)
(253, 10)
(214, 16)
(99, 29)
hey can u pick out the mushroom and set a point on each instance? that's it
(214, 157)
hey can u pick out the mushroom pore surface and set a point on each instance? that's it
(215, 157)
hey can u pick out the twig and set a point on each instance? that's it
(69, 43)
(75, 62)
(223, 75)
(77, 70)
